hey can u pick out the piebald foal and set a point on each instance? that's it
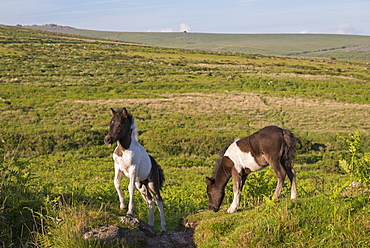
(131, 159)
(269, 146)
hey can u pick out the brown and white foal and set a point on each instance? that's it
(269, 146)
(131, 159)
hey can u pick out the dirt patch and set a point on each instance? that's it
(357, 49)
(197, 102)
(313, 115)
(107, 41)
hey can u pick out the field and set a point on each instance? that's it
(306, 45)
(57, 174)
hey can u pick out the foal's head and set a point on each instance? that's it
(215, 194)
(119, 126)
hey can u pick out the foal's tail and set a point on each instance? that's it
(289, 148)
(161, 176)
(157, 170)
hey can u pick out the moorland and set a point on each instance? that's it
(57, 174)
(302, 45)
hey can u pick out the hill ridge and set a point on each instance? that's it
(337, 46)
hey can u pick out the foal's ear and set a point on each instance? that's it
(124, 112)
(210, 181)
(112, 111)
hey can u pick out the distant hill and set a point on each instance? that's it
(308, 45)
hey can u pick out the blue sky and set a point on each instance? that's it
(201, 16)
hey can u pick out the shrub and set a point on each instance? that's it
(15, 201)
(355, 162)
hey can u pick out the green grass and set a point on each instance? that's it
(286, 223)
(57, 174)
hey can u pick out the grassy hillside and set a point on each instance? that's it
(56, 172)
(307, 45)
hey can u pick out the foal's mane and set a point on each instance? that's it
(132, 121)
(222, 153)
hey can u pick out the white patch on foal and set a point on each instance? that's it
(242, 160)
(135, 155)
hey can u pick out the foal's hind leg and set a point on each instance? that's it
(280, 174)
(293, 183)
(149, 201)
(156, 192)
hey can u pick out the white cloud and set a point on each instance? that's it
(346, 29)
(184, 27)
(166, 30)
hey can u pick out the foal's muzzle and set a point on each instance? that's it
(213, 208)
(109, 140)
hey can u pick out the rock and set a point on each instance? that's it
(138, 225)
(142, 235)
(110, 234)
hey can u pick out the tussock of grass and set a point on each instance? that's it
(285, 223)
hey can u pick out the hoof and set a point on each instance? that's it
(232, 210)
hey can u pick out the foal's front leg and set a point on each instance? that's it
(117, 184)
(131, 189)
(239, 181)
